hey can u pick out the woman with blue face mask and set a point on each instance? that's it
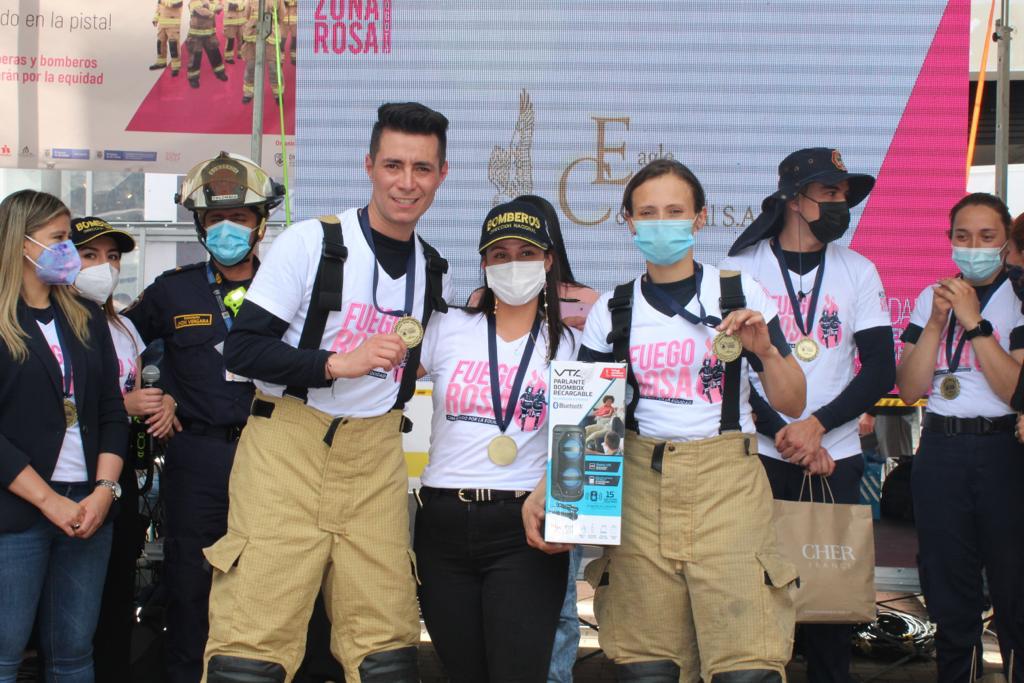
(697, 506)
(63, 434)
(964, 344)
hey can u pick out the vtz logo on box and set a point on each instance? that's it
(841, 553)
(568, 372)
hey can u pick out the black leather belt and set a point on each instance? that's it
(979, 426)
(229, 433)
(475, 495)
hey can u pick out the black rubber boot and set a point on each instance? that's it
(748, 676)
(224, 669)
(660, 671)
(393, 666)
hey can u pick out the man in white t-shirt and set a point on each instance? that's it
(330, 332)
(831, 307)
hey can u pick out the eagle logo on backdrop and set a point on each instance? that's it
(511, 170)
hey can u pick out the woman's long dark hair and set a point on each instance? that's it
(555, 232)
(549, 307)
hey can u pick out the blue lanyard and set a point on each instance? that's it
(410, 268)
(503, 414)
(679, 309)
(798, 317)
(67, 371)
(953, 357)
(215, 288)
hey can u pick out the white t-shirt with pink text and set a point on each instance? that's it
(680, 377)
(127, 346)
(455, 354)
(976, 397)
(851, 300)
(283, 287)
(70, 467)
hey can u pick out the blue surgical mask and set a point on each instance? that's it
(58, 264)
(978, 263)
(663, 242)
(228, 242)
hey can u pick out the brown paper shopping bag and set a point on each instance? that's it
(833, 548)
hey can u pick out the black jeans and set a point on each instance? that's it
(490, 602)
(826, 647)
(969, 512)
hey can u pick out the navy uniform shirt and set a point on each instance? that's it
(180, 309)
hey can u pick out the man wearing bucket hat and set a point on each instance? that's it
(831, 306)
(191, 309)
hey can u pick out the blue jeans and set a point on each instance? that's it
(567, 637)
(59, 580)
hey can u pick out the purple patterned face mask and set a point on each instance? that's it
(58, 264)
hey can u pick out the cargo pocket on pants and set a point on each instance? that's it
(780, 579)
(224, 556)
(597, 575)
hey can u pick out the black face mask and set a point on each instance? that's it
(833, 220)
(1016, 277)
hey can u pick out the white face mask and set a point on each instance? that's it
(517, 282)
(97, 283)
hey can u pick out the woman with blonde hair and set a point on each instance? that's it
(63, 434)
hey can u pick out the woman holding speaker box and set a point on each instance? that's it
(964, 344)
(490, 602)
(697, 589)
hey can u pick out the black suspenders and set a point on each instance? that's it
(621, 307)
(326, 297)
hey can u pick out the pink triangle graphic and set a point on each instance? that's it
(903, 229)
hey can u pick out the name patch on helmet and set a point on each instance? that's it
(222, 197)
(193, 320)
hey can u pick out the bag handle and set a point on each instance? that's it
(825, 488)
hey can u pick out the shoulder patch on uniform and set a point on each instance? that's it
(193, 320)
(183, 269)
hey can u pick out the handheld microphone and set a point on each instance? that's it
(143, 443)
(150, 376)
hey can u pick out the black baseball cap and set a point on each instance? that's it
(812, 165)
(88, 228)
(518, 219)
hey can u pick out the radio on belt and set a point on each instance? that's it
(586, 435)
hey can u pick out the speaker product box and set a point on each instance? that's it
(586, 431)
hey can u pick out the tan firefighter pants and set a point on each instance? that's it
(697, 579)
(302, 514)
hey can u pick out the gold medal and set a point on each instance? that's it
(806, 349)
(502, 450)
(70, 413)
(727, 347)
(950, 387)
(410, 330)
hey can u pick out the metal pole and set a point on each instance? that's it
(262, 31)
(1002, 36)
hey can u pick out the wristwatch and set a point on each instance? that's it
(984, 329)
(114, 487)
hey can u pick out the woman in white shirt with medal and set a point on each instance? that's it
(491, 602)
(964, 344)
(697, 587)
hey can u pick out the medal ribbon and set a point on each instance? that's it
(673, 305)
(953, 358)
(503, 414)
(798, 317)
(410, 268)
(66, 369)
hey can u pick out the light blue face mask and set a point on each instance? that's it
(664, 242)
(228, 242)
(978, 263)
